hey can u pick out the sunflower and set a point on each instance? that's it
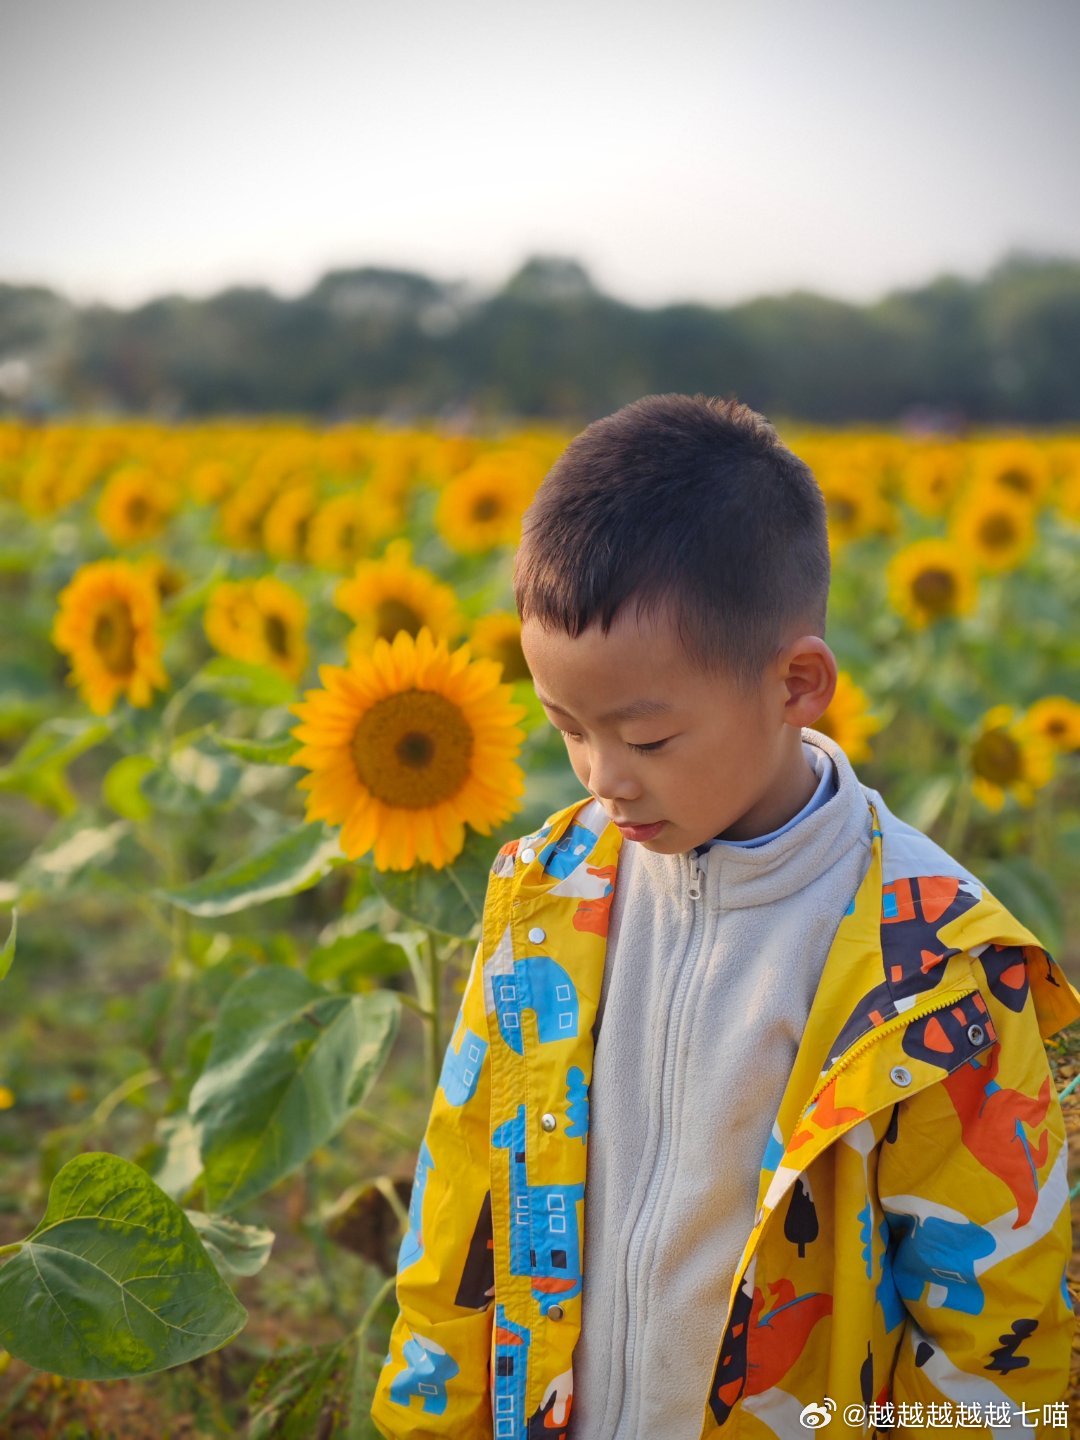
(135, 505)
(855, 505)
(1057, 718)
(1009, 754)
(262, 621)
(211, 480)
(929, 581)
(243, 511)
(1018, 467)
(106, 624)
(343, 529)
(168, 578)
(406, 747)
(286, 524)
(847, 720)
(392, 594)
(482, 507)
(994, 528)
(498, 637)
(932, 476)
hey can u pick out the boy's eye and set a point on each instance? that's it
(642, 749)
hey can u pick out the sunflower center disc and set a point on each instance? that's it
(1015, 479)
(413, 749)
(935, 591)
(114, 638)
(277, 636)
(392, 615)
(486, 508)
(997, 531)
(997, 758)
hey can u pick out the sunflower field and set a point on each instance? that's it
(264, 723)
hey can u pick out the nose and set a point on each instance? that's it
(610, 780)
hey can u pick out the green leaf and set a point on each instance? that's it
(450, 900)
(196, 778)
(38, 769)
(278, 751)
(114, 1281)
(241, 1249)
(287, 1064)
(76, 851)
(245, 684)
(353, 957)
(1030, 893)
(120, 789)
(7, 955)
(294, 862)
(299, 1393)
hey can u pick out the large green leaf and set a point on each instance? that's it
(38, 770)
(114, 1281)
(287, 1064)
(294, 862)
(277, 751)
(449, 900)
(77, 852)
(245, 684)
(300, 1393)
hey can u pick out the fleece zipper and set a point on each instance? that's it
(626, 1420)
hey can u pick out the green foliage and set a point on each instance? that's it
(296, 861)
(114, 1280)
(288, 1062)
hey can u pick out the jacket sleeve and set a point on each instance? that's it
(435, 1378)
(976, 1197)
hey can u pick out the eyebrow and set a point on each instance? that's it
(631, 711)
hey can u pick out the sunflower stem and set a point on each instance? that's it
(435, 1040)
(960, 819)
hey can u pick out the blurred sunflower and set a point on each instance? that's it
(43, 488)
(1009, 755)
(243, 511)
(994, 529)
(932, 476)
(1058, 719)
(929, 580)
(106, 625)
(856, 506)
(168, 578)
(342, 530)
(1016, 466)
(211, 480)
(482, 507)
(848, 720)
(135, 505)
(392, 594)
(498, 637)
(286, 524)
(406, 747)
(262, 621)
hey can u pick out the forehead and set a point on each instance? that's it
(638, 665)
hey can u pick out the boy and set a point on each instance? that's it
(799, 1046)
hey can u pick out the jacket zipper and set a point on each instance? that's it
(648, 1205)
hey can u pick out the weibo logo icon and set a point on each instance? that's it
(815, 1416)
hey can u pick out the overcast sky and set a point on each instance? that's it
(698, 149)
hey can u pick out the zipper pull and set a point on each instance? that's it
(695, 877)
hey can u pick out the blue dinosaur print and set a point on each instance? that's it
(562, 857)
(940, 1252)
(461, 1068)
(542, 985)
(412, 1242)
(577, 1104)
(427, 1371)
(544, 1228)
(510, 1376)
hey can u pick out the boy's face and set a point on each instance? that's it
(730, 762)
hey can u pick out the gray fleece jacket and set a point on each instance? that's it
(703, 1006)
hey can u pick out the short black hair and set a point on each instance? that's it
(686, 502)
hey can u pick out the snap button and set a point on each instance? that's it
(548, 1121)
(527, 857)
(555, 1312)
(536, 934)
(976, 1034)
(899, 1076)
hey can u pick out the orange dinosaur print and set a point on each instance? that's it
(782, 1333)
(992, 1118)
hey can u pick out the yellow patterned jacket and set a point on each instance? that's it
(914, 1222)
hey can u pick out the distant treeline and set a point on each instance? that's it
(549, 345)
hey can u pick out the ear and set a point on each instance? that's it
(808, 671)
